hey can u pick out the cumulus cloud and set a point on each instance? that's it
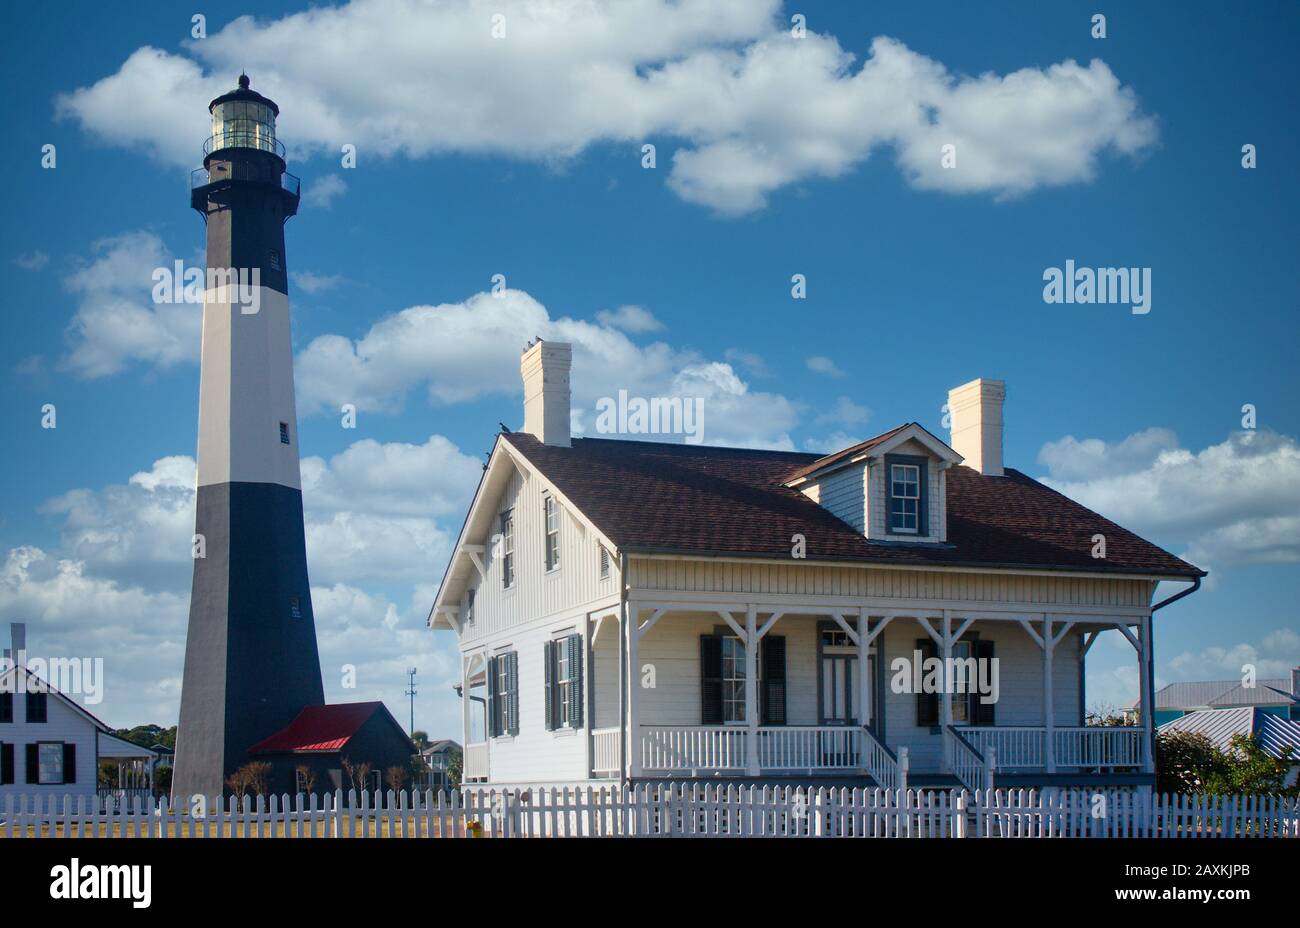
(1273, 656)
(633, 319)
(32, 260)
(1232, 503)
(819, 364)
(462, 351)
(380, 517)
(312, 284)
(750, 108)
(117, 322)
(320, 193)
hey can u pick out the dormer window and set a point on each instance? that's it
(906, 508)
(552, 514)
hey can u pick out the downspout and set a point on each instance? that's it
(623, 670)
(1150, 669)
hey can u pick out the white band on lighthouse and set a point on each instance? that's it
(248, 424)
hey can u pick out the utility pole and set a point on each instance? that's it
(410, 691)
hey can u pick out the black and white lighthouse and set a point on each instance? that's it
(251, 662)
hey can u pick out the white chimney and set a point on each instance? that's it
(18, 636)
(1295, 681)
(545, 368)
(975, 410)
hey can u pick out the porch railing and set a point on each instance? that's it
(971, 767)
(705, 749)
(476, 761)
(604, 752)
(1099, 747)
(1088, 747)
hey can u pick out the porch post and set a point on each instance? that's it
(945, 701)
(751, 690)
(633, 684)
(466, 716)
(864, 688)
(1049, 749)
(1146, 694)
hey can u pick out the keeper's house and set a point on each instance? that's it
(634, 610)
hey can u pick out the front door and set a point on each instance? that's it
(839, 695)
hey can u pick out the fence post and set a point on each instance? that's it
(990, 767)
(959, 821)
(903, 763)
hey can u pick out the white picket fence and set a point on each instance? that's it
(669, 810)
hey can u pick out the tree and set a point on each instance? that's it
(357, 773)
(395, 777)
(1248, 770)
(1185, 762)
(252, 777)
(420, 738)
(455, 768)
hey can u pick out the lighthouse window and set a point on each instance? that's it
(275, 260)
(284, 433)
(295, 607)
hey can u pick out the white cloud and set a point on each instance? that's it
(632, 319)
(753, 109)
(462, 351)
(1274, 656)
(320, 193)
(116, 321)
(819, 364)
(1234, 502)
(845, 412)
(312, 284)
(32, 261)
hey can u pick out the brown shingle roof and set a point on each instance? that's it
(849, 452)
(657, 497)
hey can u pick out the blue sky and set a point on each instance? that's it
(477, 159)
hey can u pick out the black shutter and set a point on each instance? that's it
(548, 659)
(981, 713)
(69, 763)
(575, 680)
(7, 707)
(33, 764)
(6, 763)
(512, 723)
(772, 654)
(710, 680)
(493, 704)
(36, 708)
(927, 704)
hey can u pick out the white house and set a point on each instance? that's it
(632, 610)
(51, 745)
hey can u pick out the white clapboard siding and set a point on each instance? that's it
(677, 575)
(536, 592)
(671, 810)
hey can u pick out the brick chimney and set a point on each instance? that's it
(545, 368)
(1295, 681)
(975, 410)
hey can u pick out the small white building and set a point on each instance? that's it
(51, 745)
(633, 610)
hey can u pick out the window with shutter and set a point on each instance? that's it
(927, 704)
(772, 658)
(710, 679)
(6, 707)
(6, 763)
(69, 763)
(494, 702)
(37, 707)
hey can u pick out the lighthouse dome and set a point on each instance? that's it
(243, 118)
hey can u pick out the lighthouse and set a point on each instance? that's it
(251, 661)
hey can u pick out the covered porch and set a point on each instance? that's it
(841, 712)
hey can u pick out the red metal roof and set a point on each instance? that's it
(319, 728)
